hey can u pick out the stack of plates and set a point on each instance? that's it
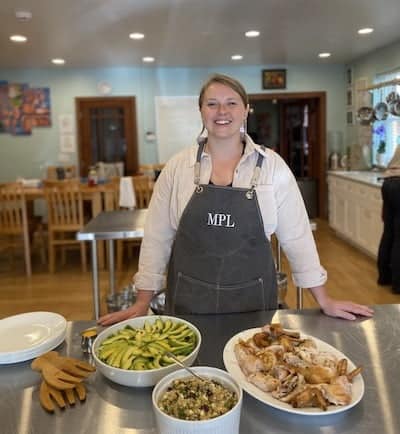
(29, 335)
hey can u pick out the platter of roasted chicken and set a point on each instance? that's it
(292, 371)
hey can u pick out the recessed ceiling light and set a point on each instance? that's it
(365, 31)
(136, 35)
(18, 38)
(58, 61)
(237, 57)
(252, 33)
(148, 59)
(324, 55)
(23, 15)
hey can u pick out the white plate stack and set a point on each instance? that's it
(29, 335)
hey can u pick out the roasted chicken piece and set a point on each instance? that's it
(289, 387)
(309, 397)
(262, 339)
(315, 374)
(247, 360)
(338, 392)
(268, 358)
(265, 382)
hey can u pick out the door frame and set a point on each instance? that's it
(320, 153)
(132, 150)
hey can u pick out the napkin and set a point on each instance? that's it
(127, 197)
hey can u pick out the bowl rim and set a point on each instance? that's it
(198, 369)
(105, 333)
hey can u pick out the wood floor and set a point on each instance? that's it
(351, 275)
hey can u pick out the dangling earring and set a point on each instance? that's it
(201, 140)
(243, 131)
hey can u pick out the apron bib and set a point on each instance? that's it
(221, 260)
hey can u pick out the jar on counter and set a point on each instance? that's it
(333, 161)
(92, 177)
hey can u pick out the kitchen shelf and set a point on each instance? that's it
(389, 83)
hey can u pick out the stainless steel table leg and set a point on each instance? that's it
(95, 277)
(299, 297)
(111, 269)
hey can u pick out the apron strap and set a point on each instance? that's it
(254, 180)
(197, 164)
(256, 175)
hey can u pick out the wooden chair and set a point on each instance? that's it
(61, 172)
(151, 170)
(65, 218)
(143, 187)
(14, 221)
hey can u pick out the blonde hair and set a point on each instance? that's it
(226, 81)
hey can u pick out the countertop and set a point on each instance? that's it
(368, 177)
(112, 409)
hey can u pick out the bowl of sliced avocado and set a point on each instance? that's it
(135, 352)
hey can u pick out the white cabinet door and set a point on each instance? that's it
(355, 212)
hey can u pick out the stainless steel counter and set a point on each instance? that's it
(114, 409)
(110, 226)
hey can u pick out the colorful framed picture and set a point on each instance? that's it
(274, 78)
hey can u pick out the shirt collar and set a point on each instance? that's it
(249, 149)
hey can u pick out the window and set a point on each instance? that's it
(392, 123)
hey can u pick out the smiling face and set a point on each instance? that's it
(223, 112)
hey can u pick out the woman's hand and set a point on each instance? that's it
(339, 308)
(139, 308)
(345, 309)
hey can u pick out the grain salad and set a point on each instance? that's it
(194, 399)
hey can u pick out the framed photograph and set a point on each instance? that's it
(274, 78)
(349, 117)
(349, 76)
(349, 97)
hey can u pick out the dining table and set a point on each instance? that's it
(110, 225)
(373, 343)
(100, 197)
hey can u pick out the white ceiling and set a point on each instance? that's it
(92, 33)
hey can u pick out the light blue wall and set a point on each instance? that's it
(381, 61)
(27, 155)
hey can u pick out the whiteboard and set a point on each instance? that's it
(178, 123)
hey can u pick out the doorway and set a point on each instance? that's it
(294, 125)
(107, 132)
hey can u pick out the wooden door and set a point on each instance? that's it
(299, 131)
(303, 148)
(107, 132)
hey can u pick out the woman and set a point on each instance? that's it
(389, 247)
(213, 210)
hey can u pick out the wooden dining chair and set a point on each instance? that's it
(143, 187)
(65, 218)
(14, 221)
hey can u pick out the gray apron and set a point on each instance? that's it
(221, 260)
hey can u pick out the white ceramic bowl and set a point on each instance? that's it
(140, 378)
(227, 423)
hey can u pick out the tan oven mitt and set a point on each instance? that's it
(49, 396)
(54, 376)
(75, 367)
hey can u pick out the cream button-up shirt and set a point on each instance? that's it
(281, 205)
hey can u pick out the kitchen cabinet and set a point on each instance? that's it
(355, 211)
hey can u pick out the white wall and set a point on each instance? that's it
(25, 155)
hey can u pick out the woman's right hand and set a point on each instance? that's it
(140, 308)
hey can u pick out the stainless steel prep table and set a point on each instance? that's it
(110, 226)
(113, 409)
